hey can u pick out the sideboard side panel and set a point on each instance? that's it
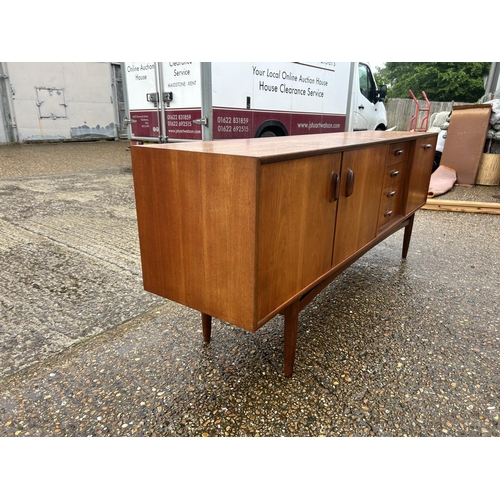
(196, 220)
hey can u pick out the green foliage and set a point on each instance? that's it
(441, 81)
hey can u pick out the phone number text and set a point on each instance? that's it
(233, 128)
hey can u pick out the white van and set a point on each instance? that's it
(178, 101)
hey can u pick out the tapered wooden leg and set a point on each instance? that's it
(407, 236)
(291, 326)
(206, 322)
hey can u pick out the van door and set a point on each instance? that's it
(144, 101)
(185, 87)
(365, 112)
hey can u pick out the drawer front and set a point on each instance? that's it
(394, 173)
(391, 192)
(398, 153)
(389, 211)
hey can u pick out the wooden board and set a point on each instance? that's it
(463, 206)
(465, 141)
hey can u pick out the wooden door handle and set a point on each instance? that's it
(334, 188)
(349, 183)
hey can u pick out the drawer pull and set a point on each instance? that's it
(394, 173)
(390, 194)
(427, 146)
(399, 152)
(349, 183)
(388, 213)
(334, 188)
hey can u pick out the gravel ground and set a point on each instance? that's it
(390, 348)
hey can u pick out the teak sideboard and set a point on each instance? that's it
(245, 229)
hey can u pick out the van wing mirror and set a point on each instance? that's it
(381, 93)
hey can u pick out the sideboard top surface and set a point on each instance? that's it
(271, 149)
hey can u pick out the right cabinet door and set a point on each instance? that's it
(358, 207)
(420, 173)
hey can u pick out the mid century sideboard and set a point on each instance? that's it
(245, 229)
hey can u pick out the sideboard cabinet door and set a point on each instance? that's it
(420, 171)
(296, 221)
(360, 192)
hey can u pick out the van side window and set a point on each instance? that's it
(366, 82)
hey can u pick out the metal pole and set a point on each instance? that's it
(158, 106)
(206, 101)
(114, 89)
(350, 100)
(163, 123)
(492, 81)
(127, 121)
(7, 105)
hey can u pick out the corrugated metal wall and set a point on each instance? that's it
(56, 101)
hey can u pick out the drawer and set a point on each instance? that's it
(391, 192)
(390, 206)
(398, 152)
(388, 212)
(394, 173)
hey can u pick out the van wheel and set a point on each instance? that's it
(268, 133)
(271, 128)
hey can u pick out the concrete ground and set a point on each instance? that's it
(390, 348)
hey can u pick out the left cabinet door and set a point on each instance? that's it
(296, 219)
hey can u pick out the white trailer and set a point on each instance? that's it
(178, 101)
